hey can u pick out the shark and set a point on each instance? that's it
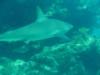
(43, 28)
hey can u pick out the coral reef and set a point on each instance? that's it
(80, 55)
(61, 59)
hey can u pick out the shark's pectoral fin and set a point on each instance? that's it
(63, 37)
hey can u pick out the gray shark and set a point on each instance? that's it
(42, 28)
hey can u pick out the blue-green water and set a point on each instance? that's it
(79, 55)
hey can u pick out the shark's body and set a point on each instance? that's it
(42, 29)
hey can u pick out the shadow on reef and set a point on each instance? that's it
(91, 60)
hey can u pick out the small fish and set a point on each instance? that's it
(43, 28)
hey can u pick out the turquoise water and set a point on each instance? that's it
(79, 54)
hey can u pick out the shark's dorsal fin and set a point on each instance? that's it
(40, 15)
